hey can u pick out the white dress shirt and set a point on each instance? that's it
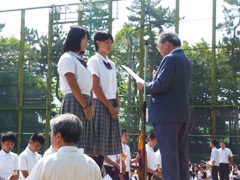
(214, 156)
(8, 163)
(67, 164)
(126, 150)
(199, 175)
(235, 175)
(159, 157)
(107, 77)
(27, 160)
(69, 63)
(224, 155)
(151, 158)
(114, 158)
(49, 151)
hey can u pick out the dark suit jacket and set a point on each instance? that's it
(169, 90)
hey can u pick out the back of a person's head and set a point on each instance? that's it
(69, 125)
(37, 137)
(170, 37)
(8, 136)
(101, 36)
(214, 142)
(151, 135)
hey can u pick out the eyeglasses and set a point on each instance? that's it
(108, 43)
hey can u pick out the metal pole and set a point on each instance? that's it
(80, 16)
(141, 73)
(110, 16)
(20, 80)
(177, 17)
(213, 74)
(129, 86)
(49, 78)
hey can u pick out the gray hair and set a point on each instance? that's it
(69, 125)
(170, 37)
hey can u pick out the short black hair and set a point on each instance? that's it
(151, 135)
(74, 37)
(37, 137)
(132, 169)
(8, 136)
(214, 142)
(170, 37)
(101, 36)
(124, 131)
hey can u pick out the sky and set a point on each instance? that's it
(197, 22)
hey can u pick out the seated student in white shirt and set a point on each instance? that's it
(235, 174)
(68, 162)
(29, 157)
(8, 160)
(151, 157)
(126, 150)
(202, 175)
(133, 175)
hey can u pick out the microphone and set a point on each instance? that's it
(146, 37)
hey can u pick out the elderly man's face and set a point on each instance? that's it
(163, 48)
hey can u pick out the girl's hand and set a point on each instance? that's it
(89, 112)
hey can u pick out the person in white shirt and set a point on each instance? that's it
(235, 174)
(202, 175)
(106, 101)
(49, 151)
(214, 160)
(29, 157)
(225, 161)
(151, 158)
(8, 160)
(112, 166)
(76, 84)
(159, 157)
(68, 162)
(126, 150)
(133, 175)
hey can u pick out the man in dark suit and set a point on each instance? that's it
(169, 106)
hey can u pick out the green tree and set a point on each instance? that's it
(1, 27)
(156, 19)
(94, 18)
(9, 63)
(230, 65)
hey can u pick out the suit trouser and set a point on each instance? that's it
(224, 171)
(215, 172)
(172, 140)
